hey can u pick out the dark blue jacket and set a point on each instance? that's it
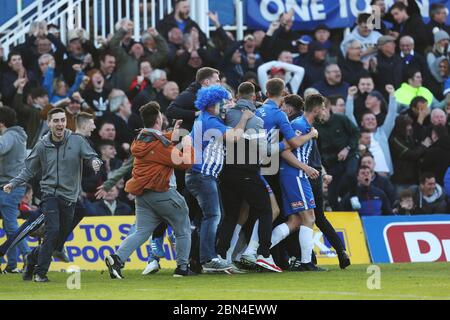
(327, 90)
(7, 88)
(374, 202)
(386, 186)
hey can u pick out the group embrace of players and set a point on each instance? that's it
(201, 178)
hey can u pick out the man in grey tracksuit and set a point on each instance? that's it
(13, 141)
(59, 157)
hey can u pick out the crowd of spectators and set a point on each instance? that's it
(385, 139)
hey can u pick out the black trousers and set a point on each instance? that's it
(79, 213)
(234, 190)
(321, 221)
(58, 221)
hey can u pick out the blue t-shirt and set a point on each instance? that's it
(301, 127)
(275, 119)
(207, 141)
(181, 25)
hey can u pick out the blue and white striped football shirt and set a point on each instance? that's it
(301, 127)
(207, 140)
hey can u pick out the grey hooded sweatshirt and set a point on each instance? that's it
(255, 139)
(61, 166)
(13, 152)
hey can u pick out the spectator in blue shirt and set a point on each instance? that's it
(367, 200)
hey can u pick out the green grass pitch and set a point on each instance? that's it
(398, 281)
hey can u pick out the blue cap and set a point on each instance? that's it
(305, 39)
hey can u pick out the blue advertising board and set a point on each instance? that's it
(422, 238)
(311, 13)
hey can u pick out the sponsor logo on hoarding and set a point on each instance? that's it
(325, 248)
(418, 241)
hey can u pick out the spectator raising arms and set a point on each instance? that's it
(379, 146)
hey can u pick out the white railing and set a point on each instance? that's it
(98, 17)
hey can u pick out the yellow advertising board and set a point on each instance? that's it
(96, 237)
(349, 228)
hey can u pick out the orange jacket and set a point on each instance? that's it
(153, 164)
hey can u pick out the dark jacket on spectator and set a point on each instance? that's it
(385, 184)
(183, 73)
(314, 70)
(429, 28)
(421, 131)
(360, 105)
(233, 72)
(437, 158)
(328, 90)
(374, 202)
(163, 102)
(98, 101)
(30, 55)
(169, 22)
(336, 134)
(101, 209)
(406, 153)
(126, 130)
(32, 118)
(69, 60)
(351, 71)
(111, 81)
(8, 90)
(378, 181)
(280, 41)
(418, 62)
(415, 28)
(389, 71)
(183, 106)
(435, 204)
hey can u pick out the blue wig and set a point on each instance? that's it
(209, 96)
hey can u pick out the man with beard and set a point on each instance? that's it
(84, 127)
(180, 18)
(59, 151)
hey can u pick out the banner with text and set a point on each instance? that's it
(424, 238)
(97, 237)
(311, 13)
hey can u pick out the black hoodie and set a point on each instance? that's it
(183, 107)
(437, 158)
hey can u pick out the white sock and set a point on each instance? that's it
(253, 245)
(279, 234)
(233, 242)
(305, 237)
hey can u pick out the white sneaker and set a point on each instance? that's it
(268, 263)
(152, 267)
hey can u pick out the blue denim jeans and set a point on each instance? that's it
(205, 190)
(9, 207)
